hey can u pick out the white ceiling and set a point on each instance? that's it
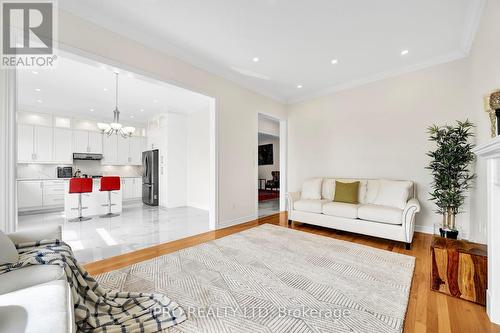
(295, 41)
(78, 85)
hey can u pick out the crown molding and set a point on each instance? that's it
(472, 24)
(378, 77)
(210, 66)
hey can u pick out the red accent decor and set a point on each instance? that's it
(110, 183)
(80, 185)
(265, 195)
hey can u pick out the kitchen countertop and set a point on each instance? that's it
(47, 178)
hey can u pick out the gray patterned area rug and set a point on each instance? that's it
(274, 279)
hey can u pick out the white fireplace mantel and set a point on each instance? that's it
(490, 151)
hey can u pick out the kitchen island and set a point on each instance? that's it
(94, 203)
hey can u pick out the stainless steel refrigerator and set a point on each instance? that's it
(150, 179)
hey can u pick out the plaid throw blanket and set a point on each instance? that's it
(96, 309)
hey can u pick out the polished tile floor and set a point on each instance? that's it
(269, 207)
(139, 226)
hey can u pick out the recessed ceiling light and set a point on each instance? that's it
(155, 101)
(38, 89)
(105, 89)
(142, 110)
(299, 86)
(132, 116)
(34, 72)
(39, 101)
(255, 59)
(334, 61)
(404, 52)
(91, 110)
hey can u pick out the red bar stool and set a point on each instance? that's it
(108, 184)
(80, 185)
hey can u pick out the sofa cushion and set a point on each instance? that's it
(8, 251)
(41, 308)
(329, 192)
(311, 206)
(341, 209)
(346, 192)
(311, 189)
(328, 189)
(393, 193)
(29, 276)
(383, 214)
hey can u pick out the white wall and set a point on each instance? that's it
(176, 164)
(237, 107)
(378, 130)
(265, 170)
(198, 160)
(485, 78)
(268, 126)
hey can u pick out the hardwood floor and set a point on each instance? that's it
(428, 311)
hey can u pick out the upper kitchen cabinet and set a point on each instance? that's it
(35, 144)
(122, 151)
(137, 146)
(25, 143)
(95, 142)
(87, 142)
(63, 148)
(44, 143)
(109, 149)
(123, 156)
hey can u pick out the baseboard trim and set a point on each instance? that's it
(240, 220)
(426, 229)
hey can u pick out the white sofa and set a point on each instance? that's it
(386, 208)
(36, 298)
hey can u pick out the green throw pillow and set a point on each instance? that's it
(346, 192)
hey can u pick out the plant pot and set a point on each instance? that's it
(448, 233)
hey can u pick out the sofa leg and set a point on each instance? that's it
(289, 222)
(408, 246)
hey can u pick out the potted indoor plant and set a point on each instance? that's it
(450, 166)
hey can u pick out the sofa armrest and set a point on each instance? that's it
(32, 235)
(292, 197)
(409, 212)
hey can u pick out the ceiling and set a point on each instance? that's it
(295, 41)
(81, 88)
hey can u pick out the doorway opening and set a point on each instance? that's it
(59, 116)
(269, 166)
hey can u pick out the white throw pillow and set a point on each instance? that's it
(8, 251)
(393, 193)
(311, 189)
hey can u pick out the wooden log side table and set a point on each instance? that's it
(459, 269)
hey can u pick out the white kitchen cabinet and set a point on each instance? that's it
(109, 150)
(87, 142)
(63, 148)
(131, 188)
(122, 151)
(95, 142)
(29, 194)
(123, 155)
(137, 183)
(127, 188)
(35, 144)
(44, 144)
(25, 143)
(137, 146)
(80, 141)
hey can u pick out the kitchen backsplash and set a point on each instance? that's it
(86, 167)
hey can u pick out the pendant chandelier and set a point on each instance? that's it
(115, 127)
